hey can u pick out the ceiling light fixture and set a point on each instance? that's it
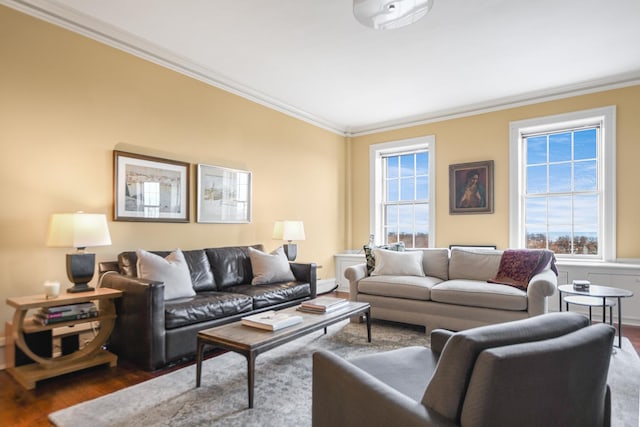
(389, 14)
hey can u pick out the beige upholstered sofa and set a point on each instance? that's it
(454, 293)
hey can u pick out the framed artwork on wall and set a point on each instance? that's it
(150, 189)
(471, 188)
(224, 195)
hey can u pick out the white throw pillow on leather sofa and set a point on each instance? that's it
(172, 270)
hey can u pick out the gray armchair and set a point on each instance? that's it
(548, 370)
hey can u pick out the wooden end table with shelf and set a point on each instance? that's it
(47, 367)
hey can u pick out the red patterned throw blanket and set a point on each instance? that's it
(518, 266)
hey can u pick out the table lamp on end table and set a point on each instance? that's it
(79, 230)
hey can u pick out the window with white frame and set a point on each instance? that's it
(563, 184)
(402, 190)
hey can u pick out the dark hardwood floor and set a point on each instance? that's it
(20, 407)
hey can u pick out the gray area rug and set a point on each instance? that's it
(283, 385)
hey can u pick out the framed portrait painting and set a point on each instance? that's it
(471, 188)
(150, 189)
(224, 195)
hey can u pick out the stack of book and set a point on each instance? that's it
(323, 305)
(65, 313)
(271, 320)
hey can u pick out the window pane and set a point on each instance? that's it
(391, 215)
(536, 179)
(422, 163)
(392, 190)
(559, 210)
(407, 189)
(422, 188)
(585, 176)
(391, 235)
(586, 240)
(536, 236)
(405, 215)
(407, 167)
(585, 144)
(560, 178)
(560, 240)
(536, 150)
(585, 210)
(536, 210)
(560, 147)
(392, 167)
(421, 218)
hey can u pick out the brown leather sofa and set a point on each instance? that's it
(152, 332)
(547, 370)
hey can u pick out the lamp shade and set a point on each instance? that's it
(288, 230)
(389, 14)
(78, 230)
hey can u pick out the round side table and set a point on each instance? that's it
(602, 293)
(591, 302)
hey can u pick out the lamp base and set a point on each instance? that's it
(80, 287)
(80, 268)
(291, 250)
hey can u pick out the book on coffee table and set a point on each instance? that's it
(323, 304)
(271, 320)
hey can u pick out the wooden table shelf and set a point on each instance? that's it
(91, 355)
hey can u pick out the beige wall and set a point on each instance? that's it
(66, 102)
(486, 137)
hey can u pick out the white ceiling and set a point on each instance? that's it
(311, 58)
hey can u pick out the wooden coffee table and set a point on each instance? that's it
(251, 342)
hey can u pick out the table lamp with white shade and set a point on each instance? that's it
(79, 230)
(289, 231)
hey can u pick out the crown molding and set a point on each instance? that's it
(52, 12)
(584, 88)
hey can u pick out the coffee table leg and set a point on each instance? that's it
(199, 362)
(367, 315)
(251, 365)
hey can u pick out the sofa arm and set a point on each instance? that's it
(139, 333)
(353, 274)
(306, 273)
(541, 286)
(345, 395)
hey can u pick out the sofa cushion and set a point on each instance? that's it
(393, 263)
(203, 307)
(435, 262)
(199, 268)
(276, 293)
(477, 293)
(231, 265)
(481, 264)
(270, 268)
(173, 271)
(408, 287)
(407, 369)
(371, 260)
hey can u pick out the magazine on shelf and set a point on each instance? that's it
(271, 320)
(43, 319)
(70, 308)
(323, 304)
